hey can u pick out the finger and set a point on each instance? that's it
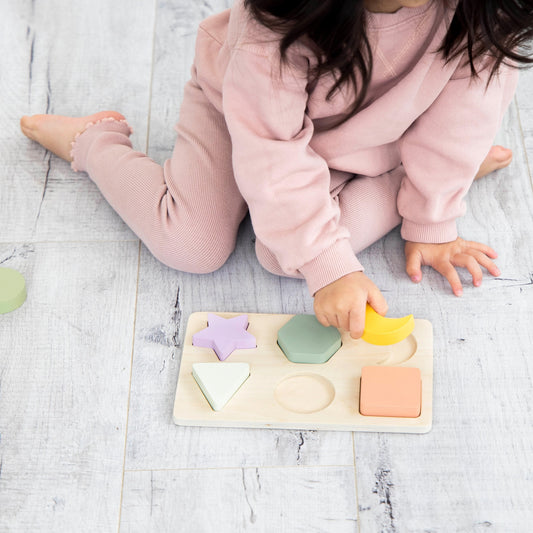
(357, 322)
(343, 321)
(486, 263)
(487, 250)
(323, 319)
(413, 263)
(469, 262)
(378, 302)
(332, 319)
(449, 272)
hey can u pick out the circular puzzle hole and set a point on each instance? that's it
(402, 351)
(305, 393)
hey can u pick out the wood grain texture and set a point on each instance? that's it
(174, 41)
(65, 359)
(288, 500)
(524, 101)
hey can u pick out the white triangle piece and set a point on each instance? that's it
(220, 381)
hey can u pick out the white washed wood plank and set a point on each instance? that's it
(65, 359)
(20, 190)
(175, 37)
(74, 61)
(285, 500)
(524, 99)
(473, 471)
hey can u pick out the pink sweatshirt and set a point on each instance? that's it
(419, 112)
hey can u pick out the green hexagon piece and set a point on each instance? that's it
(303, 339)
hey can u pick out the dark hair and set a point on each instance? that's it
(336, 32)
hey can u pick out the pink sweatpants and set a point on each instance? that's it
(188, 212)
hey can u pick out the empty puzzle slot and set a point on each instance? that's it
(395, 355)
(305, 393)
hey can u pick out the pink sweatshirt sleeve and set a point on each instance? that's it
(284, 182)
(442, 151)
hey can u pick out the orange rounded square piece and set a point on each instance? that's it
(390, 391)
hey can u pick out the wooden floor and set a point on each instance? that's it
(88, 366)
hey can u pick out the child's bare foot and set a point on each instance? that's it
(498, 157)
(56, 132)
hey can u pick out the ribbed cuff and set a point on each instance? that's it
(82, 141)
(429, 233)
(332, 264)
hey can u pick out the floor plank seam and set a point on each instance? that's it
(151, 81)
(129, 387)
(247, 467)
(30, 241)
(523, 140)
(355, 485)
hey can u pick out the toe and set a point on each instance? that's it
(25, 122)
(501, 154)
(27, 126)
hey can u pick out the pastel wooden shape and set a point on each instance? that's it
(390, 391)
(384, 331)
(219, 382)
(12, 290)
(303, 339)
(224, 335)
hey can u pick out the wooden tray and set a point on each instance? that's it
(282, 394)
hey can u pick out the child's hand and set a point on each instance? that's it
(445, 257)
(343, 303)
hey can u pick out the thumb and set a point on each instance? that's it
(413, 263)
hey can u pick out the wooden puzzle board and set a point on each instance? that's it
(282, 394)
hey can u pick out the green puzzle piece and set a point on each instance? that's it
(303, 339)
(12, 290)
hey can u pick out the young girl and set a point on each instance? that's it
(331, 121)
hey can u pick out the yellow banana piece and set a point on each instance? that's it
(383, 331)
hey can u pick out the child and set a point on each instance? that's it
(331, 121)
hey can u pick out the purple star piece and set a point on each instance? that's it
(224, 335)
